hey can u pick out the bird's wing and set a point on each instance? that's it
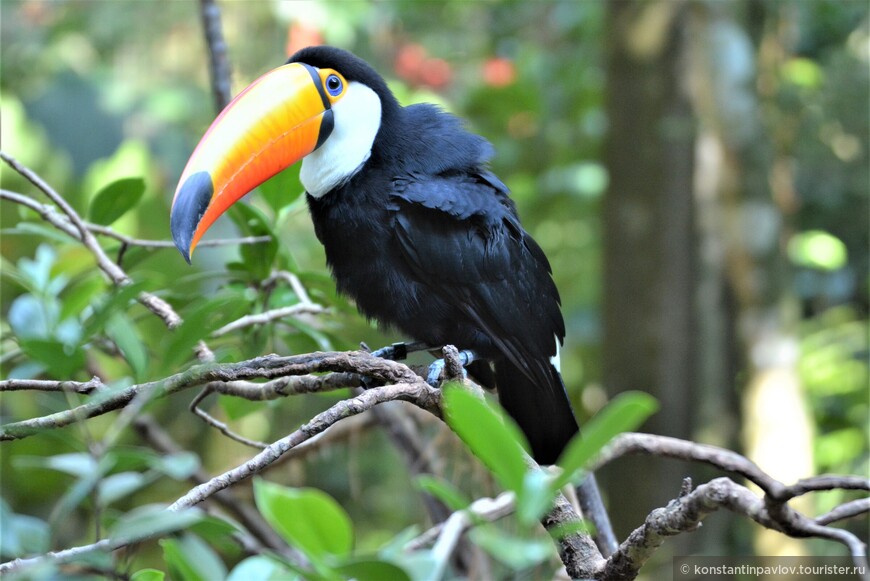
(461, 231)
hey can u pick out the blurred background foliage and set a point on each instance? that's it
(93, 92)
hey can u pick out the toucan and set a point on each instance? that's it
(416, 228)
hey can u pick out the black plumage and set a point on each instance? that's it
(426, 239)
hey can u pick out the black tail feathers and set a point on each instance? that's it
(543, 412)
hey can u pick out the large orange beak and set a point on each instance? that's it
(279, 119)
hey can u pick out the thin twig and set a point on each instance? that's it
(114, 272)
(269, 316)
(340, 432)
(49, 214)
(663, 446)
(219, 425)
(447, 534)
(62, 556)
(292, 280)
(130, 241)
(846, 510)
(83, 387)
(419, 391)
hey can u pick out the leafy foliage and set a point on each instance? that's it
(497, 441)
(106, 100)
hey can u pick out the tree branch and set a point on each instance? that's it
(219, 64)
(417, 391)
(579, 554)
(447, 535)
(771, 511)
(666, 447)
(266, 367)
(83, 387)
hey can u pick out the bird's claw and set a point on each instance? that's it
(436, 369)
(394, 352)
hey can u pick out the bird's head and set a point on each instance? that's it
(325, 107)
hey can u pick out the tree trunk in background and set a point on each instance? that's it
(696, 284)
(649, 242)
(734, 82)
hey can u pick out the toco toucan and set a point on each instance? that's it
(416, 228)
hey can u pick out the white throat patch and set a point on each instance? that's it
(357, 118)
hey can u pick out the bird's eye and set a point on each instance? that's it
(334, 85)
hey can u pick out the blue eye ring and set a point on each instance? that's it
(334, 85)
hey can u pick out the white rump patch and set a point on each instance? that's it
(357, 118)
(556, 360)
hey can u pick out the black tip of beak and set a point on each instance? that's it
(190, 204)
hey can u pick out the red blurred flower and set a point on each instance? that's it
(415, 67)
(409, 61)
(436, 73)
(300, 35)
(499, 72)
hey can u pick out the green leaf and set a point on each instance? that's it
(625, 413)
(256, 258)
(38, 229)
(307, 518)
(148, 575)
(237, 407)
(120, 329)
(21, 534)
(63, 361)
(372, 570)
(120, 485)
(535, 497)
(282, 189)
(493, 438)
(37, 271)
(319, 339)
(80, 294)
(153, 520)
(75, 463)
(817, 249)
(260, 568)
(199, 323)
(515, 552)
(32, 318)
(444, 491)
(116, 301)
(189, 558)
(177, 466)
(803, 72)
(114, 200)
(73, 496)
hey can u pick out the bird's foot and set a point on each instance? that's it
(394, 352)
(453, 363)
(399, 351)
